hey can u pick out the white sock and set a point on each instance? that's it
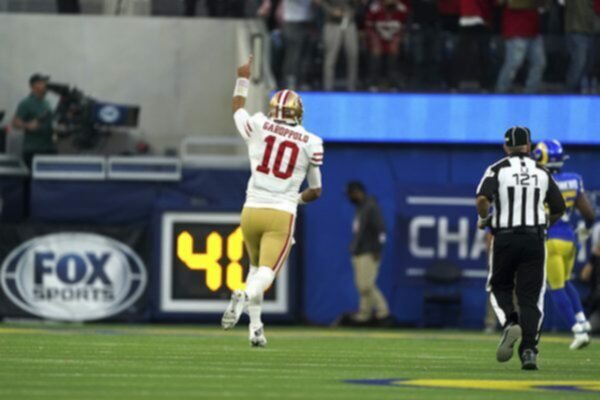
(580, 317)
(253, 270)
(254, 304)
(255, 311)
(256, 285)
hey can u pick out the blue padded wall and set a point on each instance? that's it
(328, 281)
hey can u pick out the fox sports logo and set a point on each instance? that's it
(73, 276)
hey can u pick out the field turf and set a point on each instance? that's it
(67, 362)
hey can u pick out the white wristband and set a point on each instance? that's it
(241, 87)
(301, 201)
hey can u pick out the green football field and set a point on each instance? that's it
(189, 362)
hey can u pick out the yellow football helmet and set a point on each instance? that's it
(286, 106)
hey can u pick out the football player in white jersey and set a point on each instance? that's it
(282, 155)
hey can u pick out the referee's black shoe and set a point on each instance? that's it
(529, 360)
(506, 347)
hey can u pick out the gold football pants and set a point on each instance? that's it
(268, 235)
(561, 259)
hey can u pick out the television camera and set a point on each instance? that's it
(88, 121)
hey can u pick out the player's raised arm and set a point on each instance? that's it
(240, 115)
(242, 85)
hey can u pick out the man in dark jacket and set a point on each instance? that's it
(367, 245)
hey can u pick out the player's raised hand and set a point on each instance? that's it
(244, 71)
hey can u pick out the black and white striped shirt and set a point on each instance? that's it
(519, 189)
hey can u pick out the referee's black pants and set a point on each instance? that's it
(519, 259)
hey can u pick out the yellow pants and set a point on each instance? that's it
(268, 235)
(561, 259)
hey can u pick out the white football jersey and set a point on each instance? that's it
(280, 157)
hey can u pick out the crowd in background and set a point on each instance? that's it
(502, 46)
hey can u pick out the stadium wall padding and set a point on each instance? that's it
(328, 280)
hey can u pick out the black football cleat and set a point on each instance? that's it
(529, 360)
(509, 337)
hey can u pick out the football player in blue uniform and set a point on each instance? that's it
(562, 241)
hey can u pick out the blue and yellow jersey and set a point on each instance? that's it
(571, 187)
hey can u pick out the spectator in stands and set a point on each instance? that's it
(385, 23)
(522, 41)
(579, 26)
(424, 48)
(272, 12)
(472, 55)
(591, 82)
(449, 13)
(297, 18)
(340, 29)
(591, 274)
(34, 117)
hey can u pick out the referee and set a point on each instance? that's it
(518, 190)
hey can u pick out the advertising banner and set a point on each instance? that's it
(438, 224)
(68, 273)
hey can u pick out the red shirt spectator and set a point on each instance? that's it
(520, 23)
(597, 6)
(385, 23)
(473, 10)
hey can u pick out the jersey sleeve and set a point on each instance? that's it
(247, 125)
(488, 184)
(316, 152)
(313, 176)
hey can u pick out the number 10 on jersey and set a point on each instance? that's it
(276, 167)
